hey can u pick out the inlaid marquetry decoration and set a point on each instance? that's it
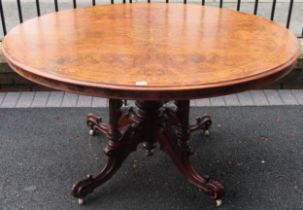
(159, 48)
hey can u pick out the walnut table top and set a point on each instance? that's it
(151, 51)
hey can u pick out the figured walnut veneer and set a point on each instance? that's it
(151, 51)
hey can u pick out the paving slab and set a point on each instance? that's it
(84, 101)
(99, 102)
(202, 102)
(245, 99)
(69, 100)
(288, 97)
(40, 99)
(2, 96)
(231, 100)
(61, 99)
(273, 97)
(55, 99)
(217, 101)
(259, 98)
(26, 99)
(10, 99)
(298, 95)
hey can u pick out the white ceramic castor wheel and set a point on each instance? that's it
(91, 132)
(80, 201)
(206, 133)
(219, 202)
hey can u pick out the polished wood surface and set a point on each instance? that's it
(151, 51)
(149, 123)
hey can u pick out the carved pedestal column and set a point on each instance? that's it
(148, 122)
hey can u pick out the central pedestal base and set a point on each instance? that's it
(148, 122)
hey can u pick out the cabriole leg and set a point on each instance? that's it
(119, 146)
(175, 141)
(116, 154)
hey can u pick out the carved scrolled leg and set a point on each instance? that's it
(202, 123)
(86, 186)
(116, 153)
(175, 141)
(95, 124)
(119, 146)
(214, 189)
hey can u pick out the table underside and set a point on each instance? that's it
(148, 122)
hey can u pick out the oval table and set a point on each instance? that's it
(152, 53)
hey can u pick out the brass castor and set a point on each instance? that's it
(91, 132)
(80, 201)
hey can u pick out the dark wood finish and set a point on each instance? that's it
(148, 122)
(151, 51)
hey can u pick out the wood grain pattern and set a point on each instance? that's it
(151, 51)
